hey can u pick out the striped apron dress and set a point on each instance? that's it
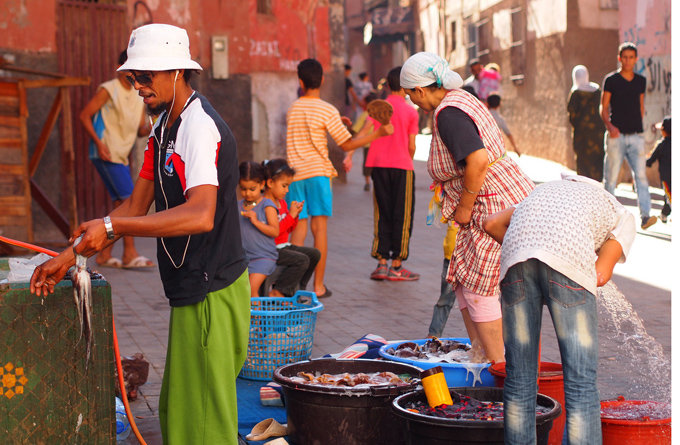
(475, 262)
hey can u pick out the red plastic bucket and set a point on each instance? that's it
(550, 383)
(634, 432)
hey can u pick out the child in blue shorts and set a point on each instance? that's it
(309, 120)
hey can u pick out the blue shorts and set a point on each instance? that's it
(116, 178)
(315, 192)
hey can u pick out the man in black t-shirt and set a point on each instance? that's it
(622, 108)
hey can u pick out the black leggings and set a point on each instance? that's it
(299, 263)
(394, 202)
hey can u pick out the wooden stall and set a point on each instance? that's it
(17, 185)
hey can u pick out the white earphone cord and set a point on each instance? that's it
(160, 177)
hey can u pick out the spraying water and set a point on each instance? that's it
(631, 360)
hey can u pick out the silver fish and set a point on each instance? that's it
(82, 293)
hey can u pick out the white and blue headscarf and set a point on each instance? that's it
(424, 68)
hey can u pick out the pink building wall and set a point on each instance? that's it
(295, 30)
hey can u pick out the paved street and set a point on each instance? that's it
(401, 310)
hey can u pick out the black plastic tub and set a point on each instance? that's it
(428, 430)
(324, 415)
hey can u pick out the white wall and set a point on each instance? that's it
(430, 27)
(502, 30)
(592, 16)
(273, 93)
(546, 18)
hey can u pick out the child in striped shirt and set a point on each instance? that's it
(309, 119)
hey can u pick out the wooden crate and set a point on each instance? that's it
(15, 193)
(47, 396)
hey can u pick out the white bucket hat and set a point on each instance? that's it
(159, 47)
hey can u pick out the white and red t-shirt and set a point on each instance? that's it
(199, 149)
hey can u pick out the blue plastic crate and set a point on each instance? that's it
(281, 332)
(456, 374)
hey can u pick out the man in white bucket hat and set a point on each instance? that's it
(190, 171)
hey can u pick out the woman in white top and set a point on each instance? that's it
(558, 246)
(113, 119)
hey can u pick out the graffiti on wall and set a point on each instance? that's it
(264, 49)
(657, 71)
(658, 76)
(141, 14)
(634, 34)
(288, 57)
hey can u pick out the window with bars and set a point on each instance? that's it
(518, 46)
(471, 44)
(479, 40)
(484, 33)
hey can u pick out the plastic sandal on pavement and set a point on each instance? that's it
(380, 272)
(266, 429)
(402, 274)
(139, 262)
(326, 294)
(112, 262)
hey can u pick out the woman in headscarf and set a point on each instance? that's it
(584, 115)
(467, 157)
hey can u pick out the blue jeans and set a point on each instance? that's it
(632, 148)
(527, 286)
(441, 310)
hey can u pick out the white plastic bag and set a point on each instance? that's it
(21, 269)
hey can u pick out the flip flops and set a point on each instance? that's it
(267, 428)
(140, 262)
(326, 294)
(112, 262)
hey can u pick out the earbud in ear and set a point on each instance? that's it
(176, 74)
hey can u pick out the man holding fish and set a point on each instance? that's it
(190, 171)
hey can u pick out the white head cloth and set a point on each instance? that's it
(423, 69)
(579, 77)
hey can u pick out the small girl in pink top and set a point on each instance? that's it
(296, 263)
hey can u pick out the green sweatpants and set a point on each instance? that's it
(207, 345)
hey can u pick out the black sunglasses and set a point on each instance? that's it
(144, 79)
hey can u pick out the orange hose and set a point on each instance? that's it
(39, 249)
(121, 383)
(116, 351)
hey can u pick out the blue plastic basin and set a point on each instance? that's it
(456, 374)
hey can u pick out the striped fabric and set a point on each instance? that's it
(393, 206)
(475, 262)
(367, 347)
(309, 119)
